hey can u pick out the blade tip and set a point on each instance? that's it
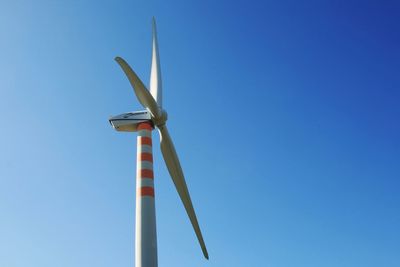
(205, 252)
(154, 26)
(120, 61)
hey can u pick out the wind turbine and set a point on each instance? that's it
(144, 122)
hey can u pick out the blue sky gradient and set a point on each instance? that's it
(285, 115)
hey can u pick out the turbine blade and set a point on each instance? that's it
(155, 75)
(142, 94)
(175, 170)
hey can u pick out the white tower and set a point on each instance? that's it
(146, 236)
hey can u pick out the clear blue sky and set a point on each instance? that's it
(285, 115)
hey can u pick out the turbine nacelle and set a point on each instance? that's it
(128, 122)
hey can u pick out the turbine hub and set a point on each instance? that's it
(160, 121)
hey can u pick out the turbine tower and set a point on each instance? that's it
(143, 122)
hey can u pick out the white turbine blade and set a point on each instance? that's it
(143, 95)
(155, 76)
(175, 170)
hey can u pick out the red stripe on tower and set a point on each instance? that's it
(144, 140)
(147, 191)
(146, 174)
(145, 157)
(145, 126)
